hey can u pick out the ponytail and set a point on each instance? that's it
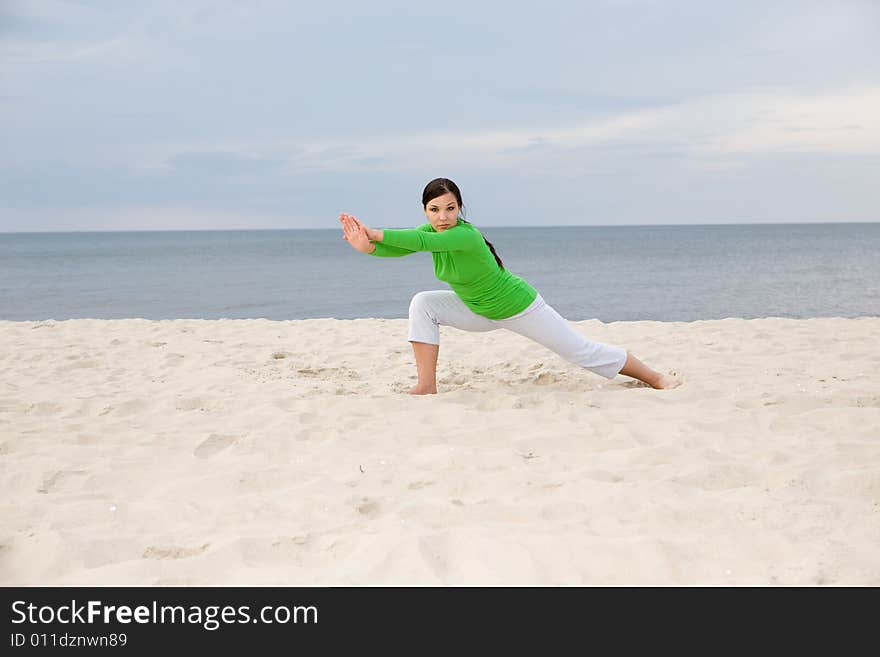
(491, 248)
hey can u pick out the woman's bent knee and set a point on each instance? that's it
(417, 302)
(426, 301)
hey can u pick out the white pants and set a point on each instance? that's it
(540, 322)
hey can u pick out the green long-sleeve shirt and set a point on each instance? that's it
(462, 259)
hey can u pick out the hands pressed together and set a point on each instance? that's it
(357, 234)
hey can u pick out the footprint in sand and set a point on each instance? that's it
(547, 378)
(329, 373)
(173, 360)
(719, 477)
(301, 539)
(45, 408)
(214, 444)
(173, 551)
(634, 384)
(196, 404)
(60, 480)
(527, 402)
(129, 407)
(368, 507)
(603, 476)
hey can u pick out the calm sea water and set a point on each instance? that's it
(668, 273)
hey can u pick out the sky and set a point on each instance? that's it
(169, 115)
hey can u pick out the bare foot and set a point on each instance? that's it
(667, 381)
(419, 390)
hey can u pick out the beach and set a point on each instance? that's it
(261, 452)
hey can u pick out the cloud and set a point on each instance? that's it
(115, 51)
(223, 163)
(845, 121)
(146, 217)
(838, 121)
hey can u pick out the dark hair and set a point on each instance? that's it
(441, 186)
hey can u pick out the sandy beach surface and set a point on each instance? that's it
(235, 452)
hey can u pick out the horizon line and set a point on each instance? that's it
(242, 230)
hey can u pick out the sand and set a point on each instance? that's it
(252, 452)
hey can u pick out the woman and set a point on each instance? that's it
(484, 296)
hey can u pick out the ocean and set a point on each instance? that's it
(665, 273)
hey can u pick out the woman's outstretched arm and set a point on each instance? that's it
(419, 239)
(381, 250)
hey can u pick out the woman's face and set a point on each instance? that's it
(442, 212)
